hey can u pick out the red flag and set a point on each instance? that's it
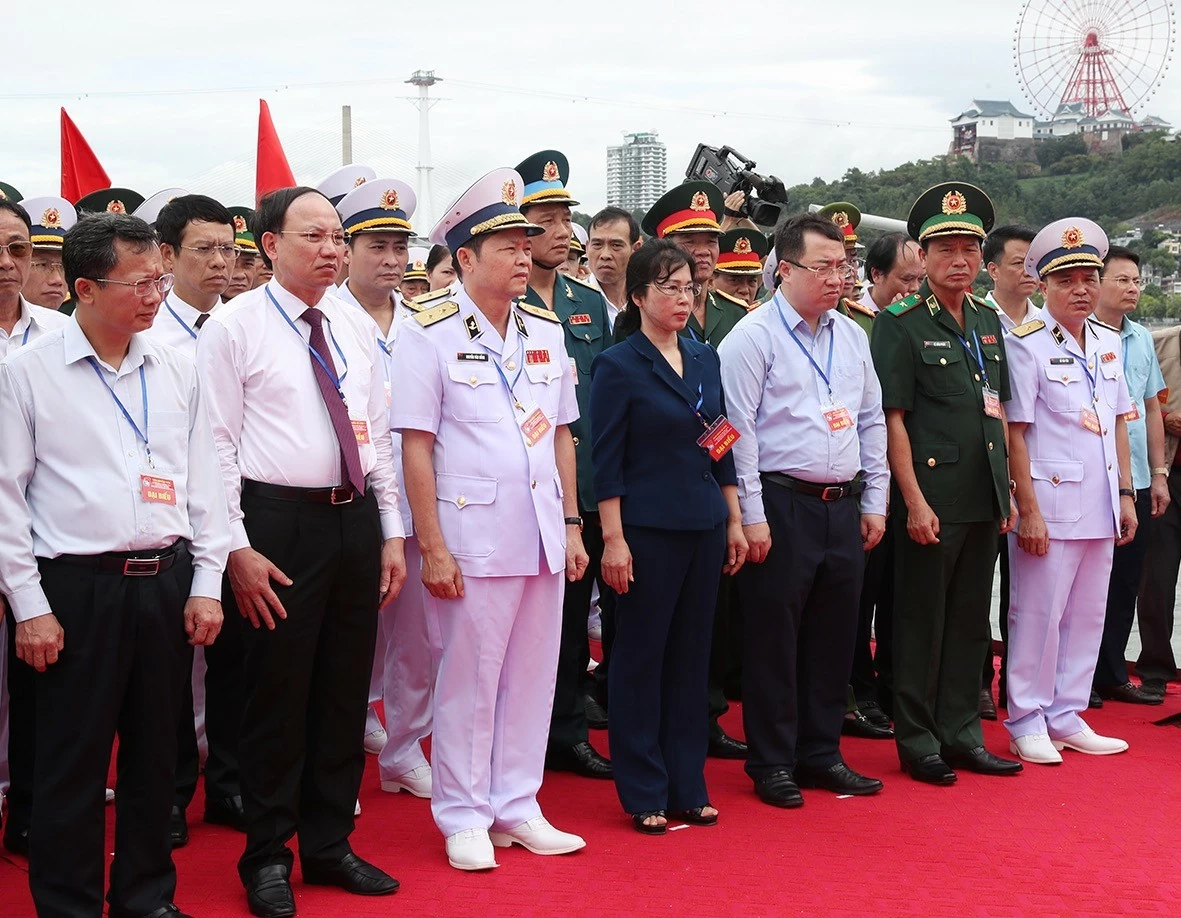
(82, 173)
(271, 169)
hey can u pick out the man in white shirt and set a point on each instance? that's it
(894, 266)
(105, 427)
(313, 503)
(614, 235)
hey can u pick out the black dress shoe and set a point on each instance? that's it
(840, 779)
(723, 746)
(779, 789)
(178, 828)
(1094, 701)
(581, 759)
(16, 840)
(351, 874)
(981, 761)
(167, 911)
(857, 724)
(930, 769)
(1156, 687)
(987, 708)
(1130, 694)
(596, 716)
(874, 714)
(268, 892)
(226, 811)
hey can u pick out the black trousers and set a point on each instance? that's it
(873, 678)
(1158, 589)
(121, 672)
(988, 673)
(301, 748)
(22, 737)
(658, 726)
(724, 647)
(801, 607)
(224, 679)
(568, 721)
(1127, 565)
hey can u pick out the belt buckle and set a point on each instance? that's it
(141, 567)
(340, 495)
(832, 492)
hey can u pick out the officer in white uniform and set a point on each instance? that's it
(1070, 463)
(376, 216)
(149, 210)
(483, 397)
(52, 217)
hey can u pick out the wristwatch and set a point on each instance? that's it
(1127, 492)
(574, 521)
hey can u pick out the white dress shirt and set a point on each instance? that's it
(269, 419)
(612, 310)
(1007, 324)
(34, 322)
(867, 300)
(776, 400)
(176, 325)
(71, 464)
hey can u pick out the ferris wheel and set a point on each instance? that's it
(1102, 54)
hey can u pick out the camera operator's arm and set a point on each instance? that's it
(735, 201)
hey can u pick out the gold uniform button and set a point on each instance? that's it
(990, 444)
(510, 365)
(576, 441)
(1105, 431)
(533, 483)
(1065, 378)
(931, 462)
(943, 361)
(1055, 480)
(460, 501)
(473, 380)
(976, 376)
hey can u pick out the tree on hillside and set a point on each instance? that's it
(1051, 151)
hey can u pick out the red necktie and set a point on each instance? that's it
(338, 412)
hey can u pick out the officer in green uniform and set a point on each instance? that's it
(940, 356)
(109, 200)
(689, 215)
(545, 202)
(848, 218)
(739, 271)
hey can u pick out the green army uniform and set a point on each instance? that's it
(8, 193)
(854, 310)
(943, 591)
(721, 315)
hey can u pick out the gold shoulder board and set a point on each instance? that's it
(429, 317)
(1028, 328)
(540, 311)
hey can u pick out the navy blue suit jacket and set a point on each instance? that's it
(644, 435)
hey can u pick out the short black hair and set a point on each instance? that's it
(614, 214)
(178, 213)
(789, 235)
(1119, 252)
(437, 254)
(271, 214)
(14, 208)
(88, 249)
(655, 260)
(883, 254)
(476, 245)
(994, 242)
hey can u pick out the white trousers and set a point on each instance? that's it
(1057, 604)
(493, 699)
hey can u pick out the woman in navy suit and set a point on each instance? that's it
(670, 520)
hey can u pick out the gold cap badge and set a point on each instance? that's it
(359, 182)
(508, 193)
(1073, 238)
(51, 218)
(700, 201)
(954, 203)
(116, 207)
(389, 200)
(840, 218)
(742, 246)
(550, 172)
(239, 223)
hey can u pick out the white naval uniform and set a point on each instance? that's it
(34, 321)
(404, 659)
(1007, 324)
(500, 510)
(1058, 601)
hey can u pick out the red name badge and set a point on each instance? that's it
(533, 358)
(988, 339)
(992, 402)
(719, 439)
(1108, 357)
(838, 418)
(535, 426)
(1091, 421)
(361, 431)
(1134, 414)
(581, 318)
(155, 490)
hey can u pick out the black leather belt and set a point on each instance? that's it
(827, 492)
(342, 494)
(128, 563)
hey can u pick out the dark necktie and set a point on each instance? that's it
(338, 412)
(201, 320)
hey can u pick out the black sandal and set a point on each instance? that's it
(694, 816)
(644, 828)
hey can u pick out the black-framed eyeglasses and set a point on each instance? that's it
(142, 288)
(318, 237)
(843, 271)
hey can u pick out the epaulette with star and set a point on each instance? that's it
(413, 306)
(1028, 328)
(582, 283)
(540, 311)
(902, 307)
(431, 297)
(856, 306)
(1102, 324)
(982, 301)
(428, 317)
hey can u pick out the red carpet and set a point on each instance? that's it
(1094, 836)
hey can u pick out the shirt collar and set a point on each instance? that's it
(1031, 311)
(78, 347)
(794, 319)
(185, 310)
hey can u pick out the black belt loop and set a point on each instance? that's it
(128, 563)
(826, 492)
(342, 494)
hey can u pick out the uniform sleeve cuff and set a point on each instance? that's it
(391, 526)
(238, 537)
(206, 584)
(29, 603)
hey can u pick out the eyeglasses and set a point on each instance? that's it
(1124, 281)
(228, 252)
(318, 237)
(50, 267)
(142, 288)
(842, 271)
(693, 290)
(18, 250)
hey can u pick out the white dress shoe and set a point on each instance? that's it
(375, 741)
(416, 782)
(1036, 748)
(1091, 743)
(109, 795)
(538, 836)
(471, 850)
(357, 808)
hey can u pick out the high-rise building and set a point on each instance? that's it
(637, 171)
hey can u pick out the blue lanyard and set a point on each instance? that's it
(320, 360)
(692, 334)
(183, 324)
(25, 337)
(504, 379)
(143, 385)
(978, 354)
(385, 348)
(823, 374)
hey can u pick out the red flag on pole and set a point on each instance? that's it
(82, 173)
(271, 168)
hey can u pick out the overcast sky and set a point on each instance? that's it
(167, 93)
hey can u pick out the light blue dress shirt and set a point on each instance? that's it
(1142, 372)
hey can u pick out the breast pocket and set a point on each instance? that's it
(583, 344)
(1066, 388)
(168, 439)
(1057, 483)
(1112, 373)
(545, 386)
(467, 514)
(474, 392)
(941, 373)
